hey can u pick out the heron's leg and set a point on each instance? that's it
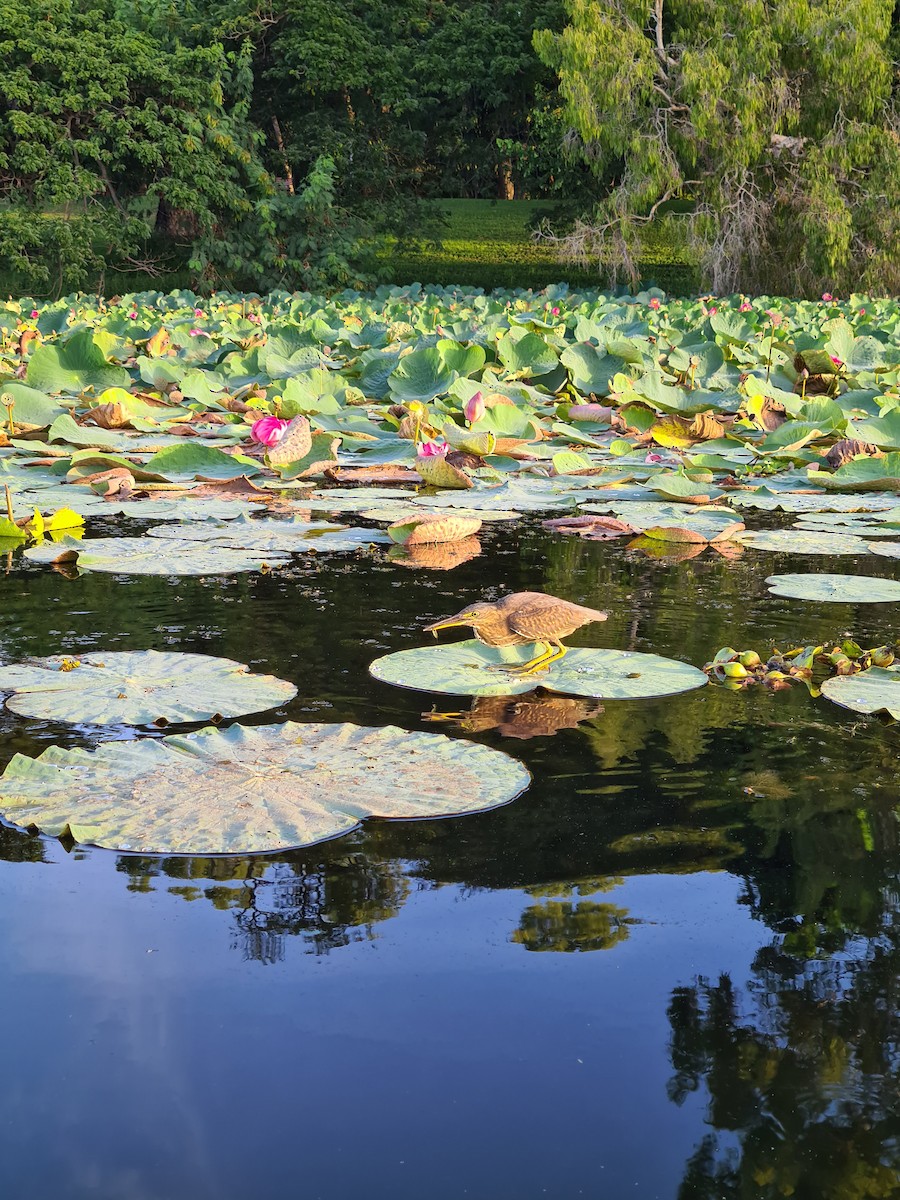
(514, 668)
(552, 652)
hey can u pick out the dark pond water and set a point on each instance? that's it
(670, 969)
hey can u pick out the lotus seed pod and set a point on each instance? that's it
(734, 670)
(750, 659)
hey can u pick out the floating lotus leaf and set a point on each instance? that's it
(394, 512)
(885, 549)
(872, 691)
(187, 509)
(287, 536)
(798, 541)
(139, 687)
(433, 527)
(838, 589)
(862, 474)
(252, 790)
(29, 407)
(153, 556)
(863, 525)
(471, 669)
(817, 502)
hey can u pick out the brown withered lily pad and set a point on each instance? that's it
(591, 528)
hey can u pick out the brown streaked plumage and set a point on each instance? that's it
(524, 617)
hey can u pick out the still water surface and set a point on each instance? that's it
(669, 970)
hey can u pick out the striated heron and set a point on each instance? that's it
(521, 618)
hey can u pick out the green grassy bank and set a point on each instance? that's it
(489, 243)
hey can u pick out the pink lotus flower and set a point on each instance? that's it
(554, 312)
(432, 449)
(746, 307)
(654, 302)
(198, 312)
(827, 297)
(132, 316)
(268, 430)
(34, 314)
(837, 361)
(474, 408)
(862, 312)
(654, 458)
(198, 333)
(713, 310)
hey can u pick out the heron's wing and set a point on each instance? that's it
(544, 616)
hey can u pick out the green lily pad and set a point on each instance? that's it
(872, 691)
(153, 556)
(802, 502)
(288, 536)
(73, 366)
(799, 541)
(472, 669)
(252, 790)
(139, 687)
(838, 589)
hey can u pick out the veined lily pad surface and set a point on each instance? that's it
(252, 790)
(139, 687)
(873, 691)
(472, 669)
(155, 556)
(839, 589)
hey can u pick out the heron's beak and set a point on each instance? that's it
(446, 623)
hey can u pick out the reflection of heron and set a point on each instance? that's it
(521, 618)
(536, 714)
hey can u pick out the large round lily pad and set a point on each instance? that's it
(471, 669)
(873, 691)
(290, 535)
(139, 687)
(250, 790)
(839, 589)
(154, 556)
(799, 541)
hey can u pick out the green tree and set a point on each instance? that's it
(111, 127)
(776, 118)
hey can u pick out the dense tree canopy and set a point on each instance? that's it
(776, 118)
(273, 145)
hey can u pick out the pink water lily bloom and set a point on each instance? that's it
(34, 314)
(654, 458)
(474, 408)
(554, 312)
(746, 307)
(432, 449)
(268, 430)
(198, 312)
(132, 316)
(838, 362)
(654, 302)
(827, 297)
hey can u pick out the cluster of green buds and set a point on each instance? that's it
(739, 668)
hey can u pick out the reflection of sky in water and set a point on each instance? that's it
(150, 1060)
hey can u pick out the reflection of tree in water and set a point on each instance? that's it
(565, 921)
(326, 906)
(17, 846)
(802, 1067)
